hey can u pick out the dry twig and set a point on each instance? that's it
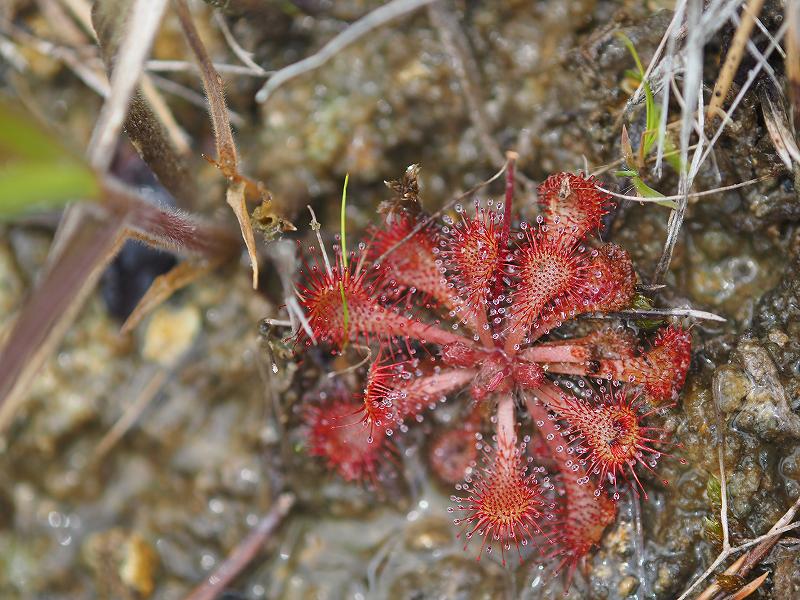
(181, 66)
(466, 70)
(734, 56)
(242, 54)
(783, 525)
(164, 286)
(793, 57)
(145, 16)
(658, 312)
(777, 123)
(192, 97)
(378, 17)
(692, 87)
(227, 159)
(132, 412)
(244, 553)
(718, 190)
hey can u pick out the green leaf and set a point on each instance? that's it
(37, 171)
(632, 49)
(652, 112)
(644, 190)
(652, 119)
(647, 192)
(31, 186)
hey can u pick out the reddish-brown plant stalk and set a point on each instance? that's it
(502, 289)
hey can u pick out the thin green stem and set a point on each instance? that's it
(343, 227)
(343, 232)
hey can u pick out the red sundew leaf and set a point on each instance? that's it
(573, 204)
(662, 370)
(423, 391)
(608, 437)
(377, 409)
(547, 267)
(582, 516)
(336, 434)
(503, 503)
(612, 280)
(473, 259)
(579, 528)
(343, 305)
(414, 264)
(606, 283)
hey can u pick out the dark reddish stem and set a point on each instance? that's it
(216, 584)
(511, 157)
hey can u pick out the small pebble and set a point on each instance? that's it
(170, 334)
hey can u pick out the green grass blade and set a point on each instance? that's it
(28, 186)
(343, 224)
(37, 172)
(343, 233)
(646, 191)
(652, 112)
(632, 49)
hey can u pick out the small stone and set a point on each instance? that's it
(139, 565)
(170, 333)
(429, 534)
(765, 411)
(627, 586)
(730, 388)
(776, 336)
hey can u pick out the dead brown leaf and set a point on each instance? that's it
(164, 286)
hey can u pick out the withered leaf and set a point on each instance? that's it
(405, 195)
(166, 285)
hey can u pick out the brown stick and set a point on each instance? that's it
(245, 552)
(227, 158)
(734, 56)
(793, 57)
(212, 82)
(455, 44)
(54, 304)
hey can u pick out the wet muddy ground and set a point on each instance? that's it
(153, 513)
